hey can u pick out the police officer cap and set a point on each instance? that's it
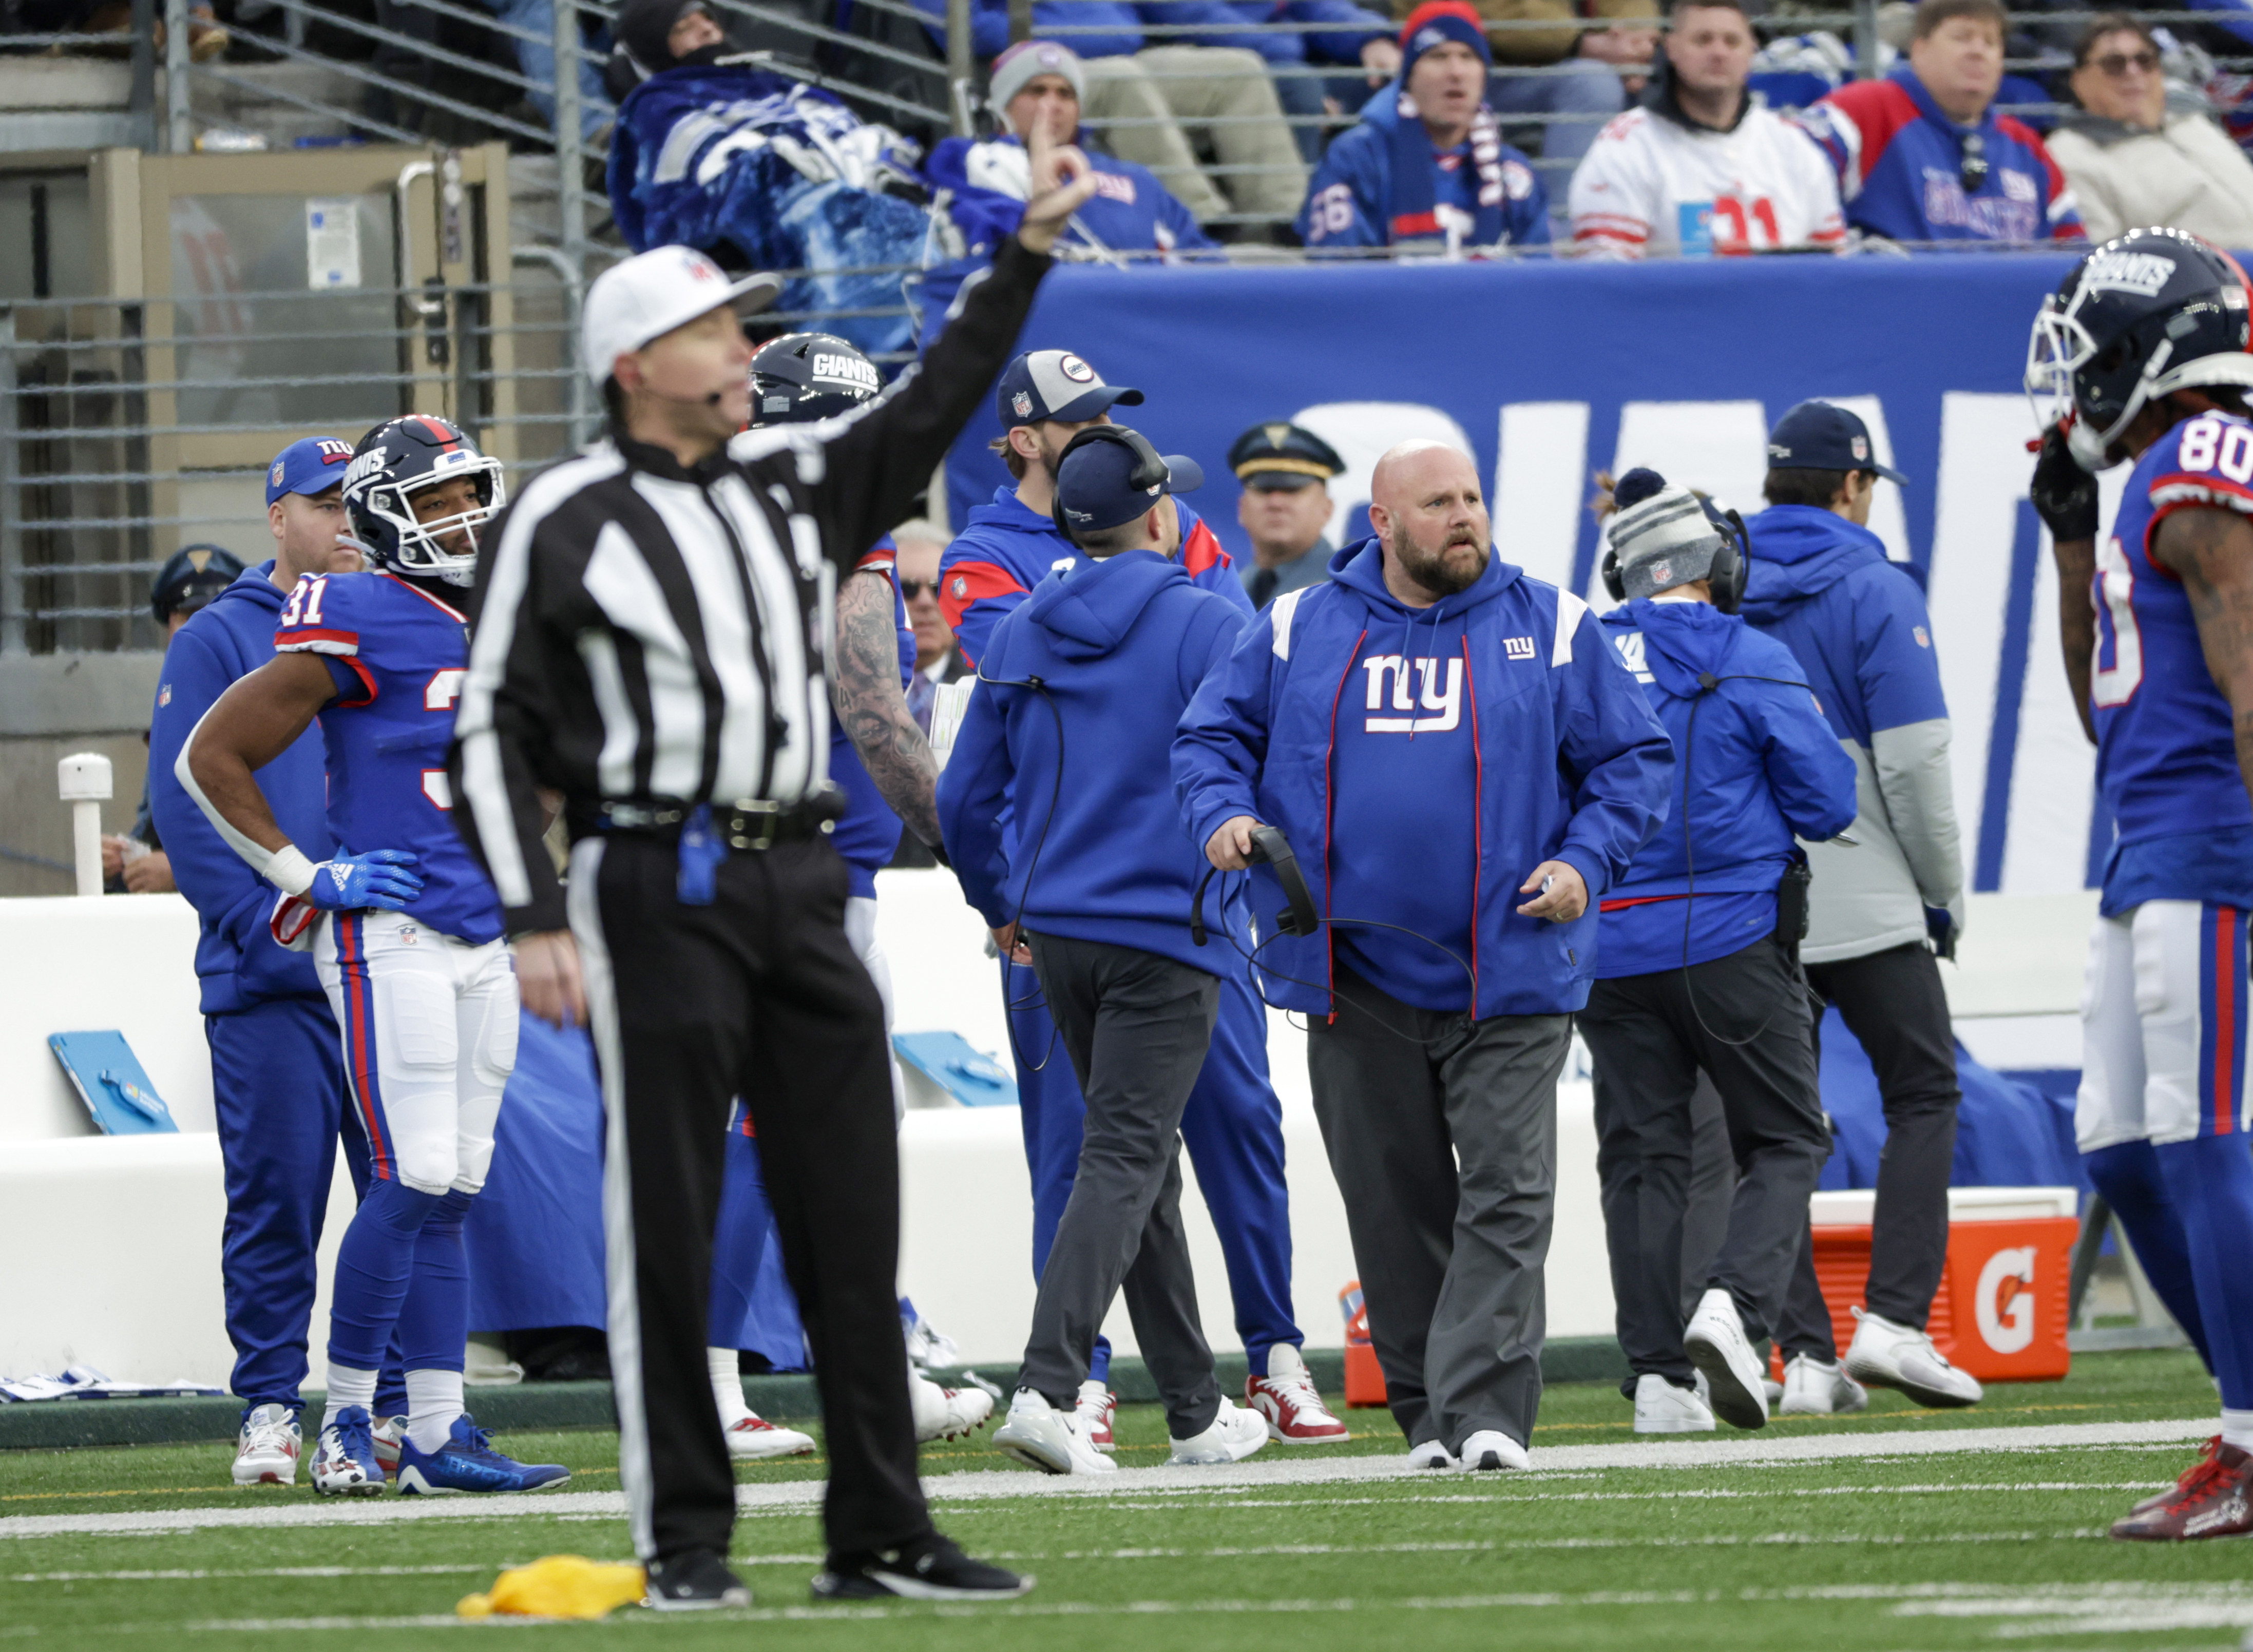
(1096, 488)
(1819, 436)
(190, 579)
(1281, 455)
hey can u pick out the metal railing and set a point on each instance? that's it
(130, 428)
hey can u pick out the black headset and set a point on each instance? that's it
(1269, 845)
(1726, 574)
(1150, 468)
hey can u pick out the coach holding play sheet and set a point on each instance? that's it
(1462, 768)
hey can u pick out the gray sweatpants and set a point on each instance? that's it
(1136, 1026)
(1445, 1151)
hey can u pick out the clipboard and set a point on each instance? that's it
(115, 1093)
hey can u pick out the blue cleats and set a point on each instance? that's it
(344, 1462)
(468, 1462)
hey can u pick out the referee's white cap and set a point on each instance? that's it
(650, 295)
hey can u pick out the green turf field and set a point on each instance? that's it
(1905, 1542)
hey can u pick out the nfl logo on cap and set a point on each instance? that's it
(1023, 404)
(1861, 446)
(275, 480)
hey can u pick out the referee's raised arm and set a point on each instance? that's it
(878, 457)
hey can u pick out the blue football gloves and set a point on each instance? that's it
(379, 879)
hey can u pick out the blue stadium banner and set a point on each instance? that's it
(1546, 372)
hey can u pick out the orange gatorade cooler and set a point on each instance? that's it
(1365, 1380)
(2000, 1311)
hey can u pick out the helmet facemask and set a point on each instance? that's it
(420, 553)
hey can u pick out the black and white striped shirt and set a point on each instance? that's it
(649, 633)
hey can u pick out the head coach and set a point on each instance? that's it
(651, 641)
(1462, 767)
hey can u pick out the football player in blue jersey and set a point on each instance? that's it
(405, 931)
(880, 758)
(2142, 353)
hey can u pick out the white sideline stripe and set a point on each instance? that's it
(800, 1496)
(2067, 1608)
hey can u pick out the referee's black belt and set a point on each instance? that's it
(745, 824)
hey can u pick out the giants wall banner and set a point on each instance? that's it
(1546, 371)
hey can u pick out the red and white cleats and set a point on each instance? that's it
(1287, 1399)
(2214, 1499)
(388, 1432)
(1098, 1407)
(946, 1413)
(2205, 1455)
(751, 1439)
(267, 1451)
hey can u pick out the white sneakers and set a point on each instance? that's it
(1287, 1398)
(1661, 1408)
(943, 1414)
(1096, 1410)
(1234, 1435)
(1040, 1436)
(1490, 1449)
(267, 1451)
(1811, 1388)
(1717, 1345)
(1885, 1355)
(1432, 1454)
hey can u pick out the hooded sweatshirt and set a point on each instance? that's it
(1756, 764)
(238, 960)
(1310, 728)
(1007, 548)
(1857, 624)
(1098, 850)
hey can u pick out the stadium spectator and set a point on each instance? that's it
(1166, 98)
(1427, 167)
(1285, 507)
(1700, 167)
(134, 862)
(1311, 67)
(2133, 159)
(978, 185)
(1921, 156)
(1436, 1025)
(1579, 74)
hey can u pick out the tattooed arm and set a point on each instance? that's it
(2211, 551)
(874, 708)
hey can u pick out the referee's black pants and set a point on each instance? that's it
(759, 994)
(1745, 1021)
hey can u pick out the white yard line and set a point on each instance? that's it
(801, 1496)
(2062, 1609)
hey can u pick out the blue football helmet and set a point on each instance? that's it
(2149, 313)
(394, 462)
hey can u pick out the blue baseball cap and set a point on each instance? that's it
(313, 465)
(1095, 487)
(1819, 436)
(1055, 384)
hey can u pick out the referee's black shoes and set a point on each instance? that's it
(696, 1581)
(930, 1568)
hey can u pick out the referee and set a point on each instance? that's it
(651, 643)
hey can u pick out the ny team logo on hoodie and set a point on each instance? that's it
(1448, 703)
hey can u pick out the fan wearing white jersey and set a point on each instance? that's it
(1699, 168)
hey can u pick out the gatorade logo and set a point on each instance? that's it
(2004, 1304)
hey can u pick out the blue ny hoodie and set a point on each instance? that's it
(237, 959)
(1857, 624)
(1756, 764)
(1097, 852)
(1566, 762)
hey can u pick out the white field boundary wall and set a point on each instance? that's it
(109, 1247)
